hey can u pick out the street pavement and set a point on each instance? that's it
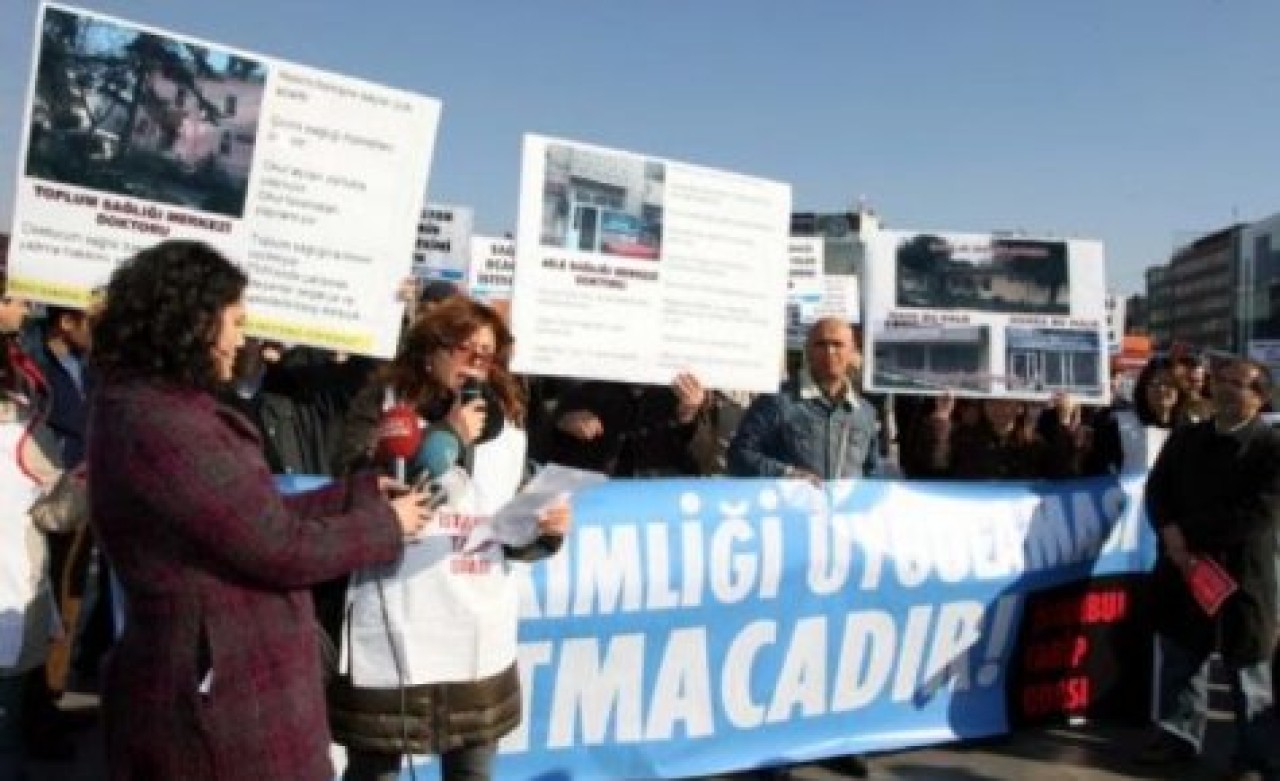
(1081, 753)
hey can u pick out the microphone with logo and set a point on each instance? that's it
(399, 436)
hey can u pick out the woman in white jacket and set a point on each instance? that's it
(429, 646)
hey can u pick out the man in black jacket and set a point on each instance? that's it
(1214, 495)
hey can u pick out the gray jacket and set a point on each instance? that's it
(798, 427)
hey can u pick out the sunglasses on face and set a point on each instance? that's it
(474, 354)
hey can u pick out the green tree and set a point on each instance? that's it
(186, 66)
(1043, 263)
(924, 259)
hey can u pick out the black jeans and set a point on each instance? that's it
(469, 763)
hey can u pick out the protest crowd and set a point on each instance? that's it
(182, 421)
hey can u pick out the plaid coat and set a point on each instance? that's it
(217, 674)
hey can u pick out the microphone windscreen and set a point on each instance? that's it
(399, 434)
(441, 450)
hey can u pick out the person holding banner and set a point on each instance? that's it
(1214, 500)
(430, 647)
(217, 673)
(817, 427)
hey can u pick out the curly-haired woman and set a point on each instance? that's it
(217, 673)
(435, 672)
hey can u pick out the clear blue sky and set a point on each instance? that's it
(1138, 122)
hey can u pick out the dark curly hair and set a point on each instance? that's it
(451, 323)
(161, 315)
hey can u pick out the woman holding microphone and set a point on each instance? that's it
(217, 673)
(431, 645)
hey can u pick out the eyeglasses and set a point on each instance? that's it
(474, 354)
(830, 344)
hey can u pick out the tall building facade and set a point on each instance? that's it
(1195, 297)
(1135, 315)
(1260, 280)
(1159, 305)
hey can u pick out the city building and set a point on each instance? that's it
(1159, 305)
(1193, 299)
(842, 248)
(1259, 298)
(1135, 315)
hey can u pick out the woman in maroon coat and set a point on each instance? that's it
(217, 674)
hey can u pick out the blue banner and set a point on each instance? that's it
(693, 627)
(696, 627)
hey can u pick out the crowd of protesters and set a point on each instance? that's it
(218, 671)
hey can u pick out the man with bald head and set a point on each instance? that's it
(817, 426)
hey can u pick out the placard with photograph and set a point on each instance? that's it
(310, 181)
(635, 268)
(986, 315)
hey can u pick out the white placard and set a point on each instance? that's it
(986, 315)
(1116, 307)
(805, 286)
(313, 182)
(841, 297)
(493, 267)
(443, 249)
(635, 268)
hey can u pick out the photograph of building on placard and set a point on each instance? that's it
(1053, 359)
(931, 357)
(1022, 276)
(139, 114)
(603, 202)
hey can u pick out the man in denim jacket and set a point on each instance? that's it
(817, 427)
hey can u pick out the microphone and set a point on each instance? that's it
(441, 448)
(399, 434)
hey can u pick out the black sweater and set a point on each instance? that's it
(1222, 489)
